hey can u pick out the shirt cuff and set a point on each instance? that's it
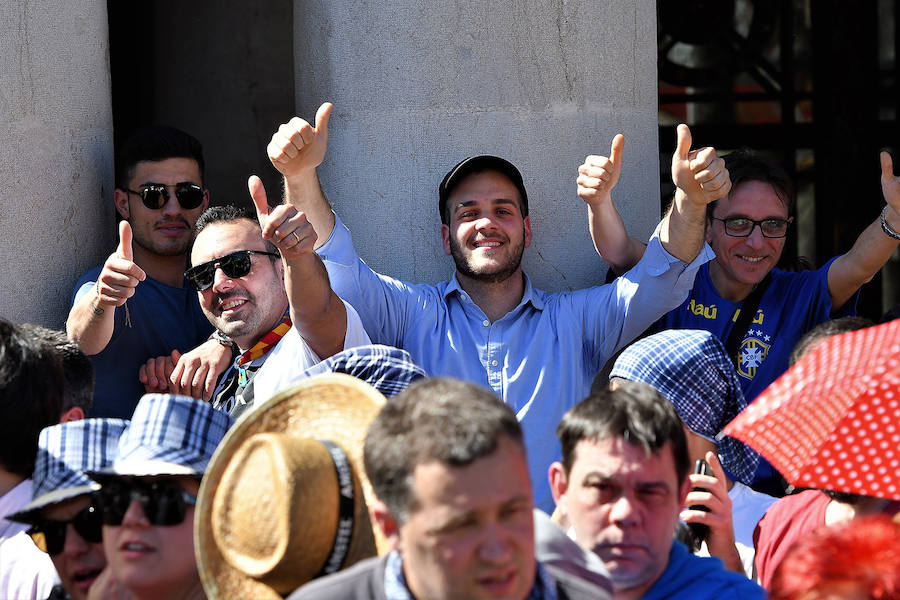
(659, 259)
(338, 248)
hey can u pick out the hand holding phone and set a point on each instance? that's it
(700, 532)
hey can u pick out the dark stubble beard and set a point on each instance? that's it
(465, 268)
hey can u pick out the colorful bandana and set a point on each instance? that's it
(261, 347)
(691, 369)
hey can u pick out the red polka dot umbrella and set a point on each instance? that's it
(832, 421)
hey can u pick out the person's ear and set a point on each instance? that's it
(120, 198)
(558, 481)
(527, 223)
(76, 413)
(445, 238)
(389, 527)
(684, 490)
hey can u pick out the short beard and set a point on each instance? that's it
(162, 250)
(465, 268)
(237, 329)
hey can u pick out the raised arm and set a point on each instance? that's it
(91, 321)
(296, 149)
(700, 177)
(597, 176)
(316, 311)
(872, 248)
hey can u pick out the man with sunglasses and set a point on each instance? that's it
(148, 494)
(64, 520)
(261, 284)
(136, 306)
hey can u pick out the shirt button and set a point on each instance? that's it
(494, 363)
(486, 323)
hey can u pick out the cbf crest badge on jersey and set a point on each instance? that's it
(753, 351)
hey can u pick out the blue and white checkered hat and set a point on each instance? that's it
(389, 370)
(168, 435)
(65, 453)
(692, 370)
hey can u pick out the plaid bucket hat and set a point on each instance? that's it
(168, 435)
(65, 453)
(388, 369)
(692, 370)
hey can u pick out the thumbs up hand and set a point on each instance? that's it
(700, 174)
(120, 275)
(890, 187)
(297, 146)
(283, 225)
(598, 175)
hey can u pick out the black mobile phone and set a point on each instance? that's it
(700, 532)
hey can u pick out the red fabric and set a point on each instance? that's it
(831, 422)
(786, 521)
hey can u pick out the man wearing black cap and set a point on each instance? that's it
(488, 324)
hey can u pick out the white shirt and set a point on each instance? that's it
(292, 355)
(25, 571)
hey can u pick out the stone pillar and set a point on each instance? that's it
(417, 86)
(56, 213)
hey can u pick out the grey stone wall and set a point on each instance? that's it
(55, 153)
(418, 86)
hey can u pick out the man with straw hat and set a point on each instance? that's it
(64, 521)
(447, 462)
(147, 495)
(285, 496)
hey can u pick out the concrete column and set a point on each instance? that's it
(419, 85)
(56, 213)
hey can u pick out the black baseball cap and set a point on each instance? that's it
(474, 164)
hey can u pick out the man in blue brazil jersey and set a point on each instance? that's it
(747, 230)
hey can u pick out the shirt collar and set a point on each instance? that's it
(530, 294)
(395, 587)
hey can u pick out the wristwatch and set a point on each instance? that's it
(225, 341)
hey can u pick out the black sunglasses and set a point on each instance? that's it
(49, 535)
(236, 264)
(164, 503)
(154, 197)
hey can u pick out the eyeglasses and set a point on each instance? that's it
(164, 503)
(49, 535)
(154, 197)
(743, 227)
(236, 264)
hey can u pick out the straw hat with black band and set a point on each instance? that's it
(285, 496)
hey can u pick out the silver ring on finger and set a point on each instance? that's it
(296, 237)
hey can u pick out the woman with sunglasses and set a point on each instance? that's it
(64, 521)
(147, 496)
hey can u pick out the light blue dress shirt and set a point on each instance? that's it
(540, 358)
